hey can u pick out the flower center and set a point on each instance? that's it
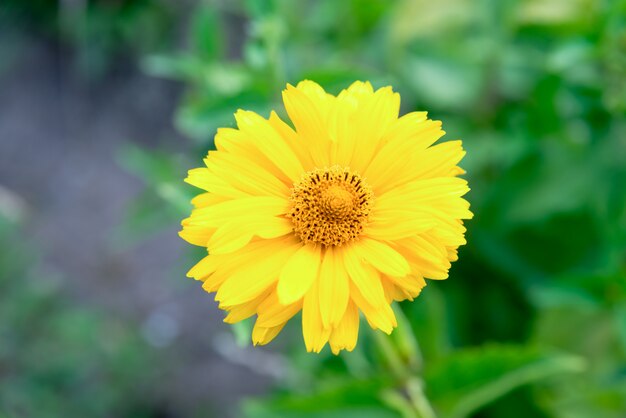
(330, 206)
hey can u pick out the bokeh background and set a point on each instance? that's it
(105, 104)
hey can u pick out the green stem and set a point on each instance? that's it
(393, 359)
(415, 390)
(411, 400)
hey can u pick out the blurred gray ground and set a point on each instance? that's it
(59, 140)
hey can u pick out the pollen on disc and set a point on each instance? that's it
(330, 206)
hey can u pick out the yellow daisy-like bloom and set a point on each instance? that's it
(346, 213)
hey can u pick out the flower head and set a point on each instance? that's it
(346, 213)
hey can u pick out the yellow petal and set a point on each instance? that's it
(382, 257)
(359, 90)
(333, 287)
(392, 292)
(233, 236)
(269, 142)
(313, 331)
(396, 156)
(198, 177)
(424, 200)
(365, 277)
(204, 179)
(298, 274)
(241, 144)
(251, 279)
(252, 207)
(397, 223)
(381, 317)
(410, 128)
(341, 129)
(307, 106)
(238, 313)
(231, 224)
(262, 335)
(196, 234)
(207, 199)
(412, 284)
(448, 232)
(205, 267)
(293, 140)
(273, 313)
(345, 335)
(245, 174)
(375, 115)
(398, 293)
(425, 257)
(425, 247)
(425, 190)
(222, 266)
(453, 254)
(437, 161)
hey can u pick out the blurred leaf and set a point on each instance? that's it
(443, 83)
(561, 189)
(254, 410)
(260, 8)
(151, 167)
(206, 32)
(199, 118)
(427, 317)
(161, 172)
(58, 357)
(472, 378)
(142, 219)
(620, 323)
(405, 342)
(562, 327)
(555, 295)
(552, 12)
(416, 18)
(178, 67)
(350, 398)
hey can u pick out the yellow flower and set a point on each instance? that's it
(346, 213)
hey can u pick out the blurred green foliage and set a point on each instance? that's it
(60, 359)
(533, 319)
(99, 32)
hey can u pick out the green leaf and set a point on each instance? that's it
(160, 171)
(259, 410)
(429, 321)
(472, 378)
(152, 167)
(405, 342)
(206, 32)
(177, 67)
(442, 82)
(259, 8)
(620, 323)
(345, 398)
